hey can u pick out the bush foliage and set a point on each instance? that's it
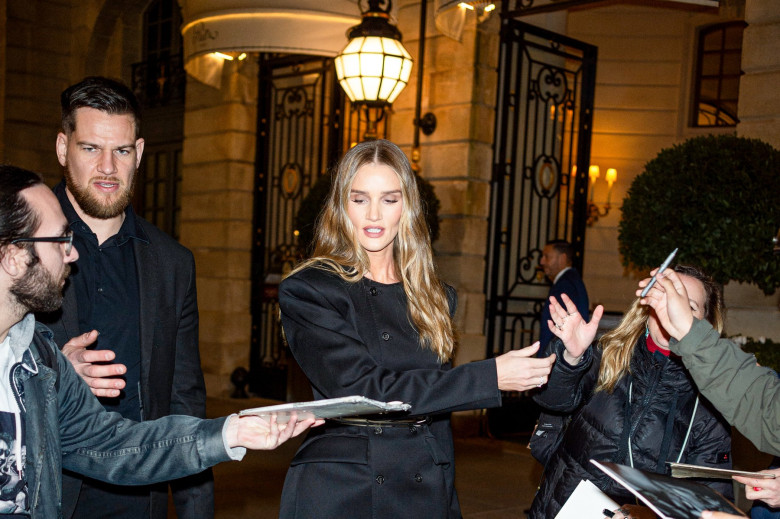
(312, 204)
(714, 197)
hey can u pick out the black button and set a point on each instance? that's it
(373, 291)
(380, 479)
(412, 429)
(386, 336)
(377, 430)
(418, 478)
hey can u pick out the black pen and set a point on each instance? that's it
(665, 264)
(608, 513)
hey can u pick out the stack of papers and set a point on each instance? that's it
(328, 408)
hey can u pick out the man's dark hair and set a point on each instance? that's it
(107, 95)
(562, 247)
(17, 218)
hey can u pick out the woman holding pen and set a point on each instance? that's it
(630, 401)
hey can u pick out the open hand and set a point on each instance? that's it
(567, 324)
(261, 433)
(101, 378)
(520, 370)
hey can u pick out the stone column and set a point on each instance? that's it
(459, 87)
(218, 169)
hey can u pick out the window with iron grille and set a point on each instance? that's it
(718, 70)
(159, 83)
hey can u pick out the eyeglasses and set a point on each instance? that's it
(67, 239)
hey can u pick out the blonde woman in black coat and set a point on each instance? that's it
(632, 402)
(368, 315)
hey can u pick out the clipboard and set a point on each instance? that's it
(328, 408)
(684, 470)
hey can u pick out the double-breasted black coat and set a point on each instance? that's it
(355, 338)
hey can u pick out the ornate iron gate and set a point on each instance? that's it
(304, 124)
(298, 139)
(543, 129)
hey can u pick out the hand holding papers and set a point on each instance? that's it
(668, 497)
(328, 408)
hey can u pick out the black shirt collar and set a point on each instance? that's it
(130, 228)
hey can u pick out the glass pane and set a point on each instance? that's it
(732, 62)
(712, 40)
(709, 89)
(162, 166)
(733, 37)
(729, 89)
(149, 195)
(710, 64)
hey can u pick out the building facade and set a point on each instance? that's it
(202, 177)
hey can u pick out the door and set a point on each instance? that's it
(543, 129)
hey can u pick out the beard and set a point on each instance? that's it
(100, 207)
(38, 290)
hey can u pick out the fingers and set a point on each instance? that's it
(598, 312)
(571, 308)
(528, 351)
(718, 515)
(80, 342)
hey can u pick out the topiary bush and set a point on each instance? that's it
(714, 197)
(313, 202)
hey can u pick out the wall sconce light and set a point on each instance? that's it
(594, 211)
(481, 7)
(374, 67)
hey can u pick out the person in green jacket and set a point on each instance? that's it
(746, 394)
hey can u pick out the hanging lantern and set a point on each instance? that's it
(374, 67)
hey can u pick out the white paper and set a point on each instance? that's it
(328, 408)
(586, 502)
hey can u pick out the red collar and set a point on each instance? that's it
(652, 347)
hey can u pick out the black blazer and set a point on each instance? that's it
(171, 376)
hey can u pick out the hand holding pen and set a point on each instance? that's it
(670, 302)
(663, 266)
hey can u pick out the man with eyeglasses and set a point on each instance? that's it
(49, 418)
(129, 319)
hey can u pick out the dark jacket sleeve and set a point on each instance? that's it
(320, 326)
(568, 385)
(747, 395)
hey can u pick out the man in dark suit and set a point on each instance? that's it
(135, 287)
(556, 262)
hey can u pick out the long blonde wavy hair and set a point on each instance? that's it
(618, 344)
(337, 249)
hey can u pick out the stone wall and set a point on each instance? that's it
(459, 87)
(216, 219)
